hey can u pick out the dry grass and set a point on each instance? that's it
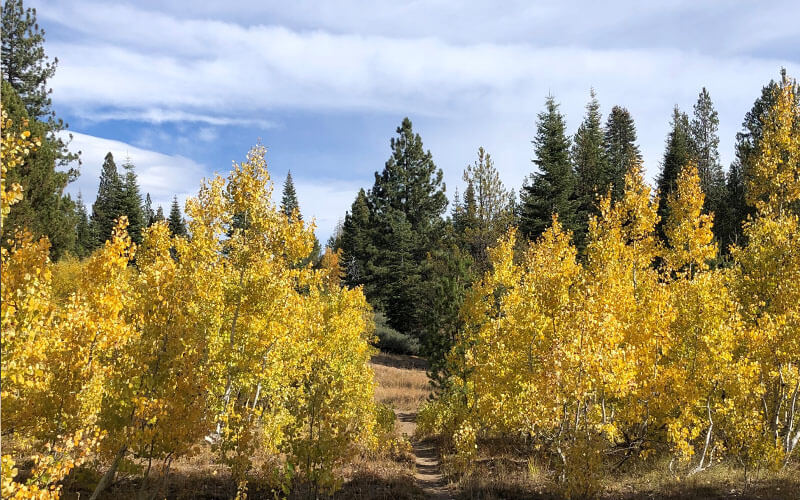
(503, 469)
(503, 472)
(378, 478)
(401, 381)
(370, 476)
(721, 481)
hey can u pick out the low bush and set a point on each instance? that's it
(390, 340)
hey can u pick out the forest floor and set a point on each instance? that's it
(504, 471)
(415, 472)
(402, 382)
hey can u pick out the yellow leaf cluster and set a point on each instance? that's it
(774, 183)
(16, 145)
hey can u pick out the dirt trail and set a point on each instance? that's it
(428, 469)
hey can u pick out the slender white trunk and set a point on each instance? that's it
(603, 407)
(109, 475)
(708, 440)
(791, 441)
(255, 399)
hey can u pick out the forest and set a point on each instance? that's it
(588, 330)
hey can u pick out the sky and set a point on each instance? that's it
(185, 88)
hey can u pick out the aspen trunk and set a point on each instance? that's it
(109, 475)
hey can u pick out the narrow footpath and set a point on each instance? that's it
(428, 471)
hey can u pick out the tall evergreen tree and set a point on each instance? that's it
(513, 207)
(736, 209)
(552, 187)
(410, 182)
(491, 198)
(159, 217)
(44, 209)
(621, 151)
(108, 205)
(448, 274)
(468, 213)
(486, 212)
(132, 202)
(589, 160)
(748, 144)
(83, 231)
(147, 211)
(335, 239)
(356, 240)
(24, 63)
(705, 143)
(396, 272)
(289, 203)
(176, 224)
(679, 151)
(406, 204)
(26, 67)
(455, 212)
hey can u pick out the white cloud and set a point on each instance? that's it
(323, 201)
(207, 134)
(161, 175)
(472, 74)
(713, 26)
(158, 116)
(160, 67)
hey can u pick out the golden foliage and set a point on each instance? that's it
(643, 344)
(775, 182)
(220, 334)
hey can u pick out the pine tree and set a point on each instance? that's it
(395, 271)
(356, 240)
(469, 208)
(109, 202)
(83, 231)
(406, 204)
(490, 194)
(513, 207)
(148, 214)
(132, 203)
(679, 151)
(735, 208)
(448, 274)
(552, 186)
(748, 146)
(26, 67)
(176, 224)
(159, 217)
(289, 203)
(44, 209)
(588, 159)
(335, 239)
(621, 151)
(410, 181)
(705, 143)
(455, 213)
(487, 210)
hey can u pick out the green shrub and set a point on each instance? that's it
(390, 340)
